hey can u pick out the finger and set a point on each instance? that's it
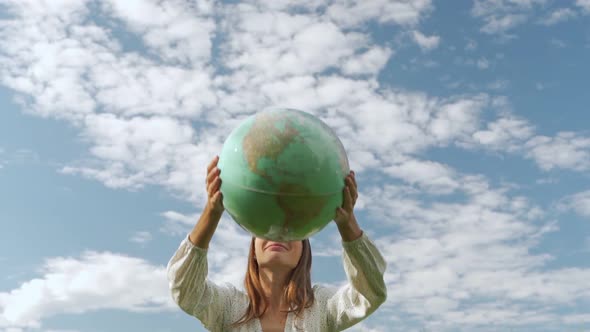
(352, 184)
(213, 186)
(347, 204)
(212, 174)
(351, 201)
(210, 191)
(356, 187)
(352, 189)
(217, 198)
(218, 184)
(212, 164)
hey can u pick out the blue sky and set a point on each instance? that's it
(466, 122)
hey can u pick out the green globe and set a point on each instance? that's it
(282, 174)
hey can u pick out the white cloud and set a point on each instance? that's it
(456, 119)
(369, 62)
(177, 223)
(366, 327)
(94, 281)
(471, 45)
(487, 7)
(350, 13)
(548, 180)
(136, 87)
(178, 31)
(576, 318)
(502, 24)
(505, 133)
(295, 44)
(483, 63)
(566, 150)
(71, 77)
(146, 150)
(143, 134)
(557, 16)
(557, 43)
(141, 237)
(448, 268)
(69, 10)
(584, 5)
(578, 203)
(18, 157)
(431, 177)
(158, 119)
(10, 329)
(426, 43)
(499, 84)
(500, 16)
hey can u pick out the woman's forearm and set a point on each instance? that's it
(203, 231)
(351, 230)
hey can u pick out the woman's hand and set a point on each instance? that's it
(345, 218)
(203, 231)
(213, 182)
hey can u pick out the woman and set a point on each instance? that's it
(279, 295)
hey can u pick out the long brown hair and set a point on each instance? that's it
(298, 292)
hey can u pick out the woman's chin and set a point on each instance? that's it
(276, 260)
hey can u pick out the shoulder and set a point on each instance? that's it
(234, 292)
(320, 313)
(235, 302)
(323, 292)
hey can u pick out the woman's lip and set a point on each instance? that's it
(275, 245)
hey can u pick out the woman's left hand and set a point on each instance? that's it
(345, 213)
(345, 218)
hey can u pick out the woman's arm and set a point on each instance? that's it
(193, 292)
(364, 266)
(365, 291)
(187, 269)
(203, 231)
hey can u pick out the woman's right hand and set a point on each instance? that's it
(213, 181)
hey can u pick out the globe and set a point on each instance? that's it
(282, 174)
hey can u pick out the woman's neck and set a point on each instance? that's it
(273, 284)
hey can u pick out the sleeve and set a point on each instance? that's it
(365, 291)
(192, 291)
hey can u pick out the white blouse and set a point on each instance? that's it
(334, 309)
